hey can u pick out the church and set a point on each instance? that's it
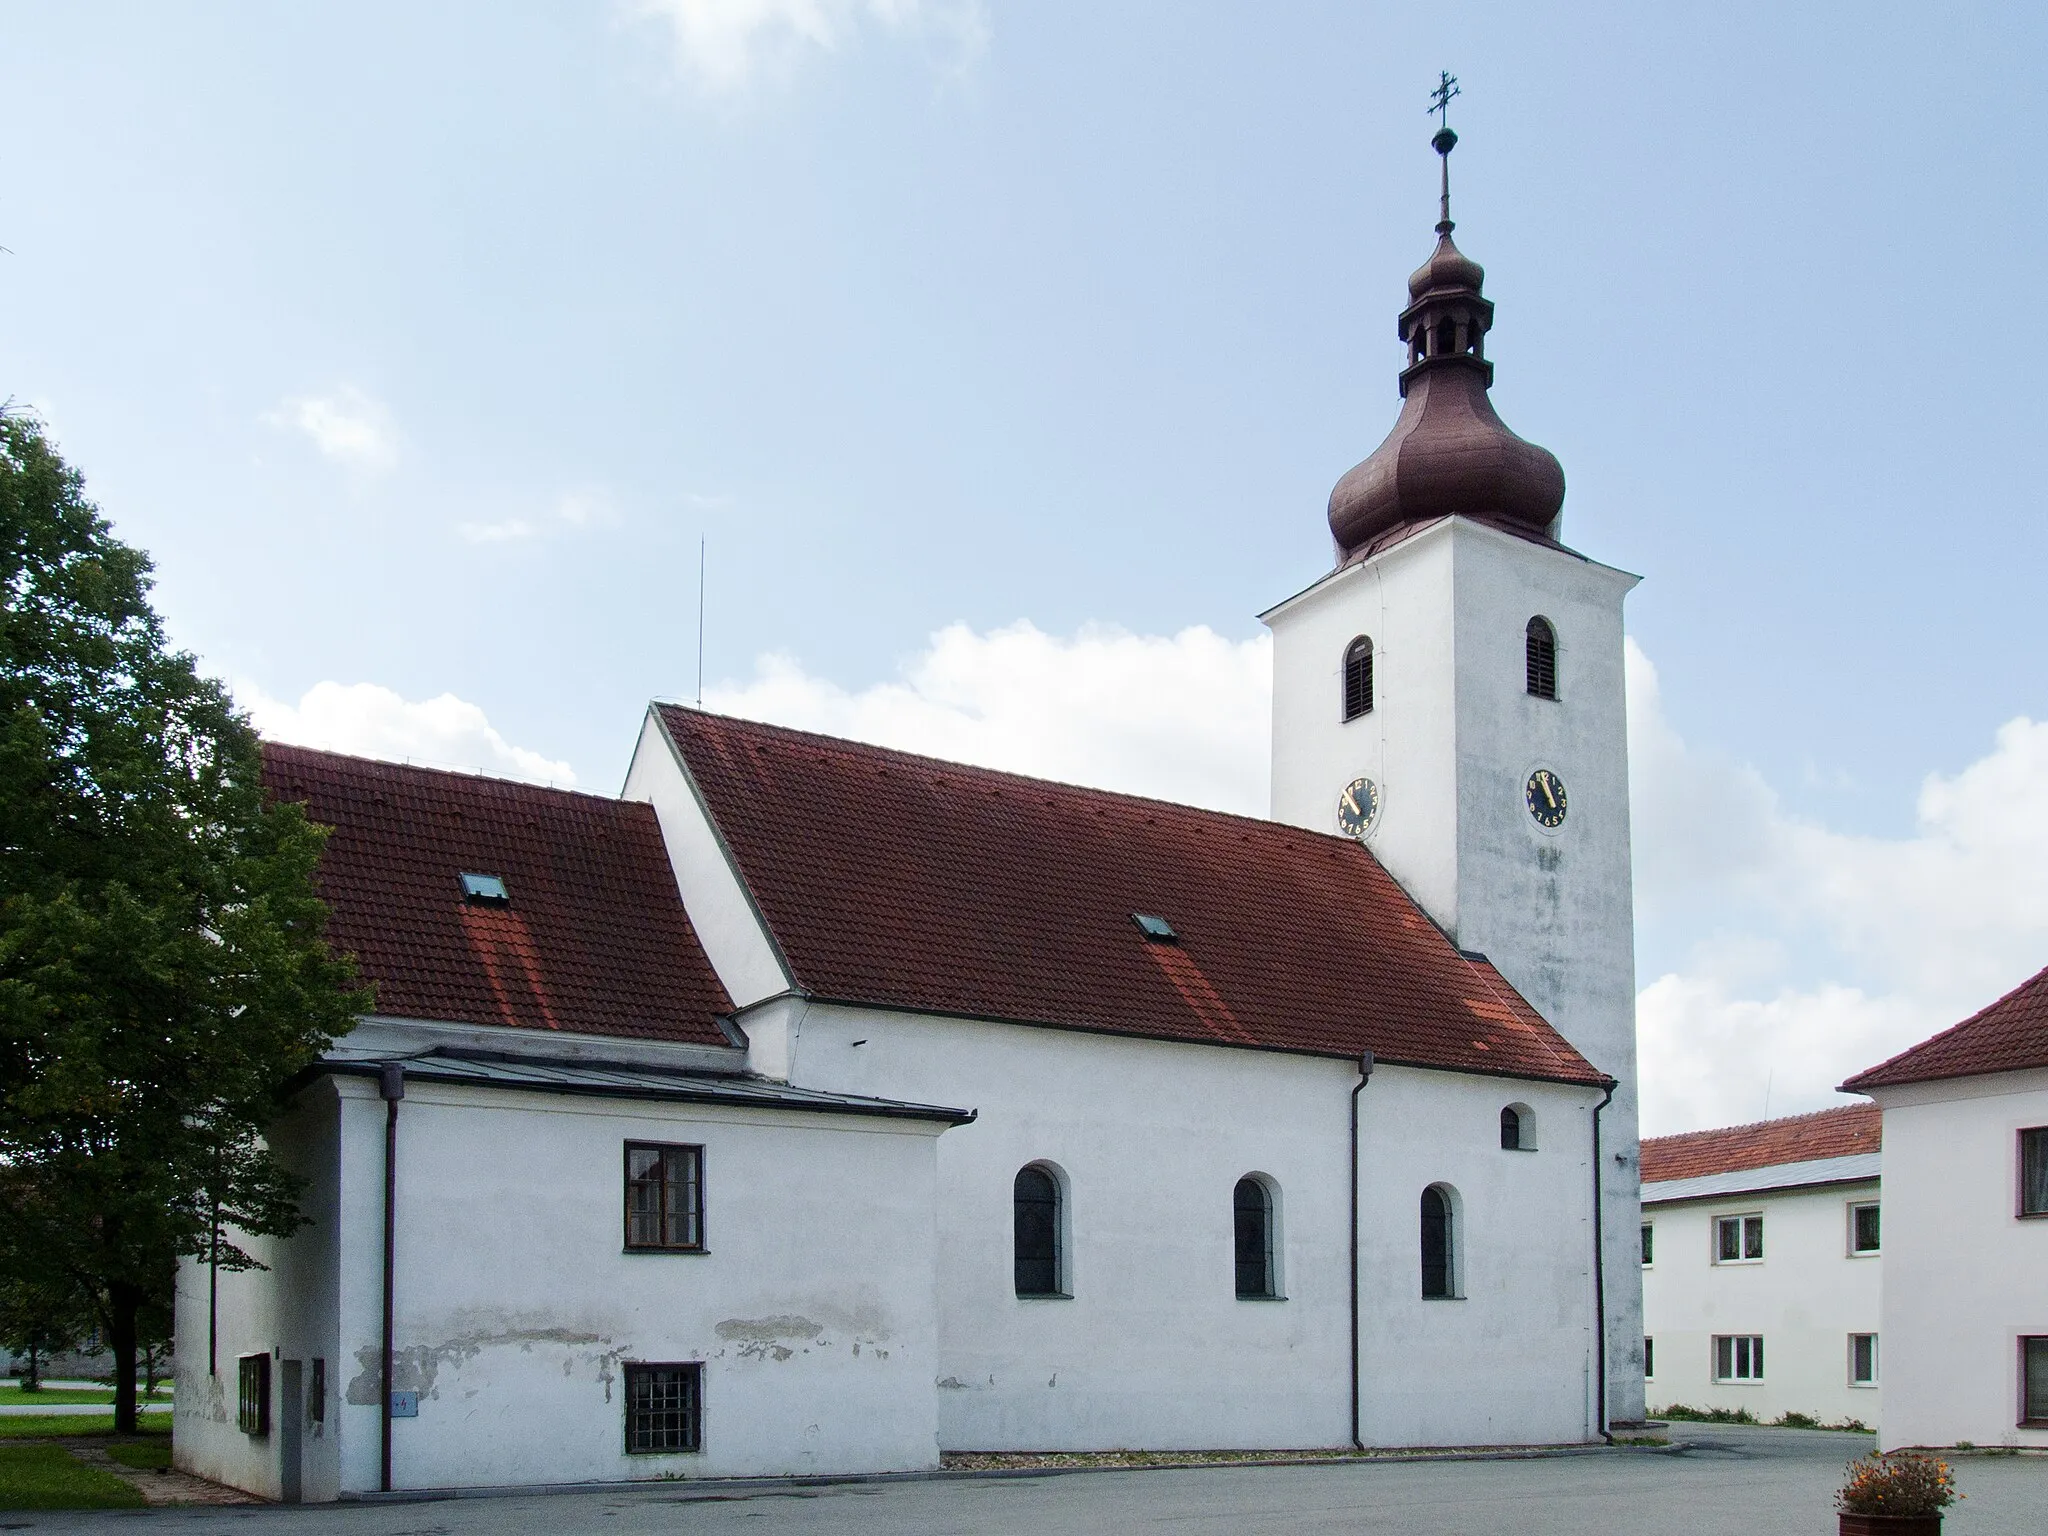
(815, 1108)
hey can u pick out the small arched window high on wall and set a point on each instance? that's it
(1252, 1218)
(1439, 1276)
(1358, 678)
(1036, 1200)
(1510, 1129)
(1542, 658)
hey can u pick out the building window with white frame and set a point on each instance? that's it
(1649, 1244)
(1864, 1236)
(1862, 1359)
(1649, 1358)
(2034, 1171)
(1739, 1239)
(1738, 1357)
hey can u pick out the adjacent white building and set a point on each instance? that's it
(815, 1107)
(1761, 1249)
(1965, 1314)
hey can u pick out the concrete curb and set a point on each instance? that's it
(710, 1489)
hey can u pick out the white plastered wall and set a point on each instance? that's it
(1451, 741)
(1966, 1277)
(1804, 1298)
(1153, 1348)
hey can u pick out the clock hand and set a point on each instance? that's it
(1351, 799)
(1544, 785)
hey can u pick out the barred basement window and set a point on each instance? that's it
(1035, 1213)
(252, 1408)
(1542, 648)
(664, 1409)
(1862, 1359)
(1738, 1357)
(2034, 1171)
(1252, 1220)
(1358, 678)
(664, 1197)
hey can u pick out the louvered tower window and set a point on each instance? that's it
(1358, 678)
(1542, 659)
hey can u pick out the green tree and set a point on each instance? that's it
(38, 1319)
(162, 969)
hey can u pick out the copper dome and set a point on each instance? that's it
(1449, 454)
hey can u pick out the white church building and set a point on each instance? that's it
(817, 1108)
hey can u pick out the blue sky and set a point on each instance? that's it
(421, 345)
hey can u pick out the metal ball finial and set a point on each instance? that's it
(1444, 141)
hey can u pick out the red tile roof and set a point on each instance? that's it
(1842, 1132)
(2009, 1036)
(905, 882)
(594, 940)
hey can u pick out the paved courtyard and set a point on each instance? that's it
(1743, 1482)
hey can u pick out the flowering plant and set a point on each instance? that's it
(1903, 1483)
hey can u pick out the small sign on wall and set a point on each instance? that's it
(405, 1405)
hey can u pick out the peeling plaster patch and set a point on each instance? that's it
(953, 1384)
(414, 1368)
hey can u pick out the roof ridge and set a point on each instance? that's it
(463, 775)
(1874, 1074)
(1264, 823)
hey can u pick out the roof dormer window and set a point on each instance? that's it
(486, 890)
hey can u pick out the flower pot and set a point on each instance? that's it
(1889, 1525)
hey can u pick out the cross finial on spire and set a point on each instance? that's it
(1444, 141)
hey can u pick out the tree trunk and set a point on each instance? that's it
(123, 1301)
(33, 1382)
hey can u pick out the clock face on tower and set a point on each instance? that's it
(1358, 807)
(1546, 799)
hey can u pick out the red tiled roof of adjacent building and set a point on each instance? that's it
(1843, 1132)
(594, 939)
(905, 882)
(2009, 1036)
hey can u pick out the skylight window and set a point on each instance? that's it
(489, 890)
(1157, 930)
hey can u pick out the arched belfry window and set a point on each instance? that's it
(1542, 658)
(1036, 1203)
(1358, 678)
(1439, 1243)
(1252, 1219)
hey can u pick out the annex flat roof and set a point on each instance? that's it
(618, 1080)
(1859, 1168)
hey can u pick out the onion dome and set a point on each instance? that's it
(1448, 454)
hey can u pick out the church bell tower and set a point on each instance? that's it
(1451, 694)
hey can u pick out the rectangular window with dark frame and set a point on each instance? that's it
(2034, 1381)
(252, 1407)
(1649, 1359)
(1738, 1239)
(664, 1197)
(1863, 1227)
(2034, 1171)
(664, 1408)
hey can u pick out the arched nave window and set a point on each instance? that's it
(1358, 678)
(1252, 1219)
(1036, 1202)
(1439, 1243)
(1517, 1129)
(1542, 650)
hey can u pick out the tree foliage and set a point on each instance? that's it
(162, 969)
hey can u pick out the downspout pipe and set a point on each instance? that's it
(1600, 1275)
(1364, 1077)
(391, 1087)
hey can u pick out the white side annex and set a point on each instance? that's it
(1789, 1323)
(1966, 1263)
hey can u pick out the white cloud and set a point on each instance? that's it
(1821, 952)
(370, 721)
(725, 43)
(1812, 953)
(572, 512)
(1183, 718)
(345, 425)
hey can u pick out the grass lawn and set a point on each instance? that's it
(40, 1426)
(142, 1455)
(49, 1477)
(15, 1397)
